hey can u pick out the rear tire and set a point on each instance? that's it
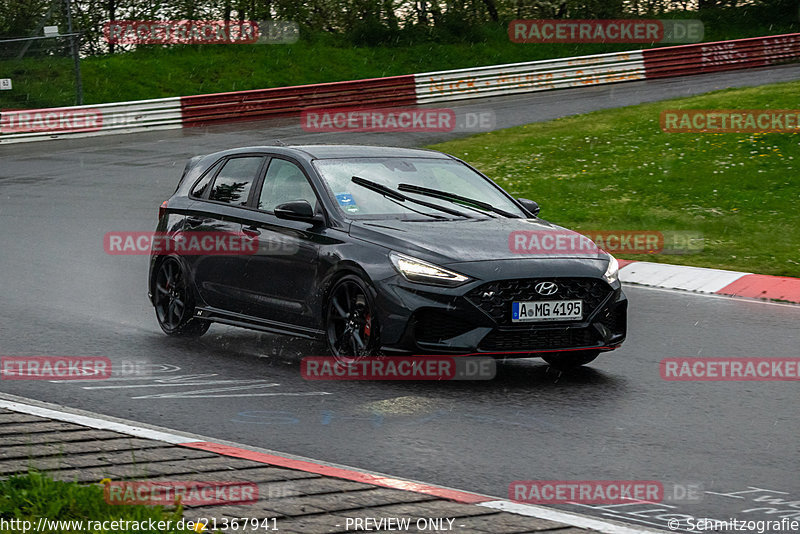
(174, 302)
(564, 361)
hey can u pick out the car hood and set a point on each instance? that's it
(460, 241)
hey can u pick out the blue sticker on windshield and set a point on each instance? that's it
(347, 202)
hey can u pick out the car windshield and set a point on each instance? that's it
(444, 175)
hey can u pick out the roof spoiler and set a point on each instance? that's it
(189, 166)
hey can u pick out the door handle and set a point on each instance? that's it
(251, 231)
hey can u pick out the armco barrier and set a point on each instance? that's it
(415, 89)
(124, 117)
(724, 55)
(282, 101)
(527, 77)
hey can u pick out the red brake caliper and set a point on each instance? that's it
(367, 325)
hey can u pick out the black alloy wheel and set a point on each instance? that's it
(174, 304)
(351, 328)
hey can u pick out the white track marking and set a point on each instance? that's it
(215, 393)
(96, 422)
(101, 422)
(575, 520)
(160, 384)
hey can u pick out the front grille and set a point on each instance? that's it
(495, 298)
(516, 339)
(433, 326)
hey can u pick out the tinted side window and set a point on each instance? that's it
(284, 182)
(200, 187)
(234, 181)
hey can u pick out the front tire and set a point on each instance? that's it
(174, 303)
(351, 328)
(565, 361)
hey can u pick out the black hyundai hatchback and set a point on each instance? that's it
(378, 250)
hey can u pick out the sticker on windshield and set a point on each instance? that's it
(347, 202)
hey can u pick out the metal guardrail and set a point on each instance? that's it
(283, 101)
(531, 76)
(124, 117)
(720, 56)
(606, 68)
(168, 113)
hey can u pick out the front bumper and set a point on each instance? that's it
(476, 318)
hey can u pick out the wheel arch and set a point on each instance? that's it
(155, 265)
(339, 271)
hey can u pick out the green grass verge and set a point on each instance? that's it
(33, 495)
(616, 170)
(156, 72)
(152, 72)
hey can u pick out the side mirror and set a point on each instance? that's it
(296, 210)
(530, 206)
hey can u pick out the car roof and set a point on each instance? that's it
(339, 151)
(366, 151)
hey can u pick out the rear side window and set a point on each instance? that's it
(199, 189)
(235, 179)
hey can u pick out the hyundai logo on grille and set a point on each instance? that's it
(546, 288)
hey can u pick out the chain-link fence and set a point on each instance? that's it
(39, 62)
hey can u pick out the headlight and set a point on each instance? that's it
(612, 271)
(415, 270)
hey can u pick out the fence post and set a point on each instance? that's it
(74, 39)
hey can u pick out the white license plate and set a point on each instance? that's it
(546, 310)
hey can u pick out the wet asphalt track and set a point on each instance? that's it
(62, 295)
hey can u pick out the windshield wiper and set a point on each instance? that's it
(431, 215)
(457, 199)
(395, 195)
